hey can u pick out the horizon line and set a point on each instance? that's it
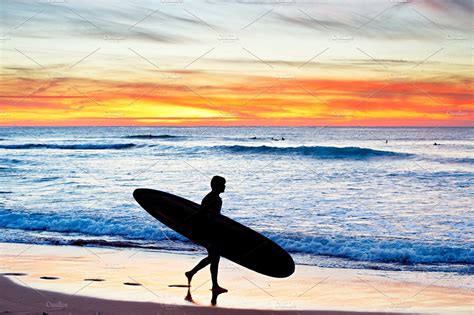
(237, 126)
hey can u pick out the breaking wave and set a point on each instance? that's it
(322, 152)
(150, 136)
(88, 146)
(142, 232)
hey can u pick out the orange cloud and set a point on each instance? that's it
(187, 98)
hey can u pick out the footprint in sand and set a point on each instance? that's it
(15, 274)
(132, 283)
(49, 278)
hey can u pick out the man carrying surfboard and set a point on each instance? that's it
(221, 236)
(211, 205)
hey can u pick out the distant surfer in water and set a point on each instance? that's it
(210, 206)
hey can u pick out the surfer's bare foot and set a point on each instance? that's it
(218, 289)
(189, 275)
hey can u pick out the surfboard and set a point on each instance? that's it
(229, 238)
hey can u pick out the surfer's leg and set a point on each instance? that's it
(203, 263)
(214, 270)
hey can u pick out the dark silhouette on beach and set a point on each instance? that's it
(221, 236)
(210, 206)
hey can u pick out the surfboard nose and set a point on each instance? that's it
(137, 193)
(140, 193)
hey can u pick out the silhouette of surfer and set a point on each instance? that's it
(210, 206)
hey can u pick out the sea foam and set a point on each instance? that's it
(360, 248)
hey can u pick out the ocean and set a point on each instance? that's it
(378, 198)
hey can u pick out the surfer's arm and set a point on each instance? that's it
(211, 215)
(210, 206)
(202, 211)
(207, 212)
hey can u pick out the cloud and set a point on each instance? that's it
(260, 100)
(231, 80)
(306, 20)
(96, 21)
(400, 21)
(452, 6)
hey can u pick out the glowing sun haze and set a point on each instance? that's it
(171, 62)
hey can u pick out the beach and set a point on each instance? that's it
(72, 279)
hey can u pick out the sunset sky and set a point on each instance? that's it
(172, 62)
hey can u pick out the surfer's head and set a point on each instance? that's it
(218, 184)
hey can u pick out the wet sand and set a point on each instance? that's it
(69, 279)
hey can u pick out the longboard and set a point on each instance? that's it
(229, 238)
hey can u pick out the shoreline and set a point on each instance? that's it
(111, 280)
(14, 296)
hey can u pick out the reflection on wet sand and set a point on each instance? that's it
(214, 296)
